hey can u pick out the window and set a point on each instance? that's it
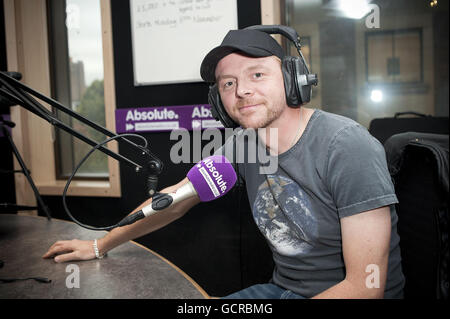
(369, 70)
(394, 56)
(35, 31)
(77, 71)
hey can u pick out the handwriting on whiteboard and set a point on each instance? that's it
(176, 13)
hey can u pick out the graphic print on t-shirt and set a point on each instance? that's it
(292, 230)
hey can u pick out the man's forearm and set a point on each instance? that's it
(120, 235)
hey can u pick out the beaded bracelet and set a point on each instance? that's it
(97, 254)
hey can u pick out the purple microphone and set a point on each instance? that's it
(212, 177)
(209, 179)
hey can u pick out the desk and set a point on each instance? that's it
(129, 271)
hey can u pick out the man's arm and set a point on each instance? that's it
(67, 250)
(365, 246)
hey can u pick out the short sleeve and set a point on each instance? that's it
(356, 174)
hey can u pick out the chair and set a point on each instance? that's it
(418, 163)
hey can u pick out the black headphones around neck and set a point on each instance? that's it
(297, 79)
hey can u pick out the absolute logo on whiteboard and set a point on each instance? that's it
(165, 118)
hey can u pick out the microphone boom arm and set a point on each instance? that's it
(13, 92)
(16, 92)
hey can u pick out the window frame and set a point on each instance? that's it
(26, 27)
(393, 33)
(60, 72)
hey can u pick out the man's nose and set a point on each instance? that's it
(244, 89)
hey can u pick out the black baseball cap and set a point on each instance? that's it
(250, 42)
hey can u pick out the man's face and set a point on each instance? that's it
(251, 89)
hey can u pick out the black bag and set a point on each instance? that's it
(418, 163)
(383, 128)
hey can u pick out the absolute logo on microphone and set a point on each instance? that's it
(212, 177)
(215, 179)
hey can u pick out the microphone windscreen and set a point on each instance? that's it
(212, 177)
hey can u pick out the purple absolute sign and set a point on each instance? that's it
(165, 118)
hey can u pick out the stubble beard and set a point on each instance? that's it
(272, 114)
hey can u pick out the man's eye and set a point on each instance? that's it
(228, 84)
(257, 75)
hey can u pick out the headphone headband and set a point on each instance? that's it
(286, 31)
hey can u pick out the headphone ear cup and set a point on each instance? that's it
(303, 84)
(217, 108)
(290, 82)
(298, 91)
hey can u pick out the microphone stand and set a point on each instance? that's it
(8, 207)
(14, 92)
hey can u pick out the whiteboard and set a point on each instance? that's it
(170, 38)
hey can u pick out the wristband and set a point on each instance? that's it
(97, 254)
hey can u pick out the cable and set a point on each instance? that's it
(121, 223)
(238, 193)
(38, 279)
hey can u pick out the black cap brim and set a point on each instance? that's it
(208, 67)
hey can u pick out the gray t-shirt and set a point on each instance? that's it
(336, 169)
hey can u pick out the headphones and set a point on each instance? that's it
(296, 77)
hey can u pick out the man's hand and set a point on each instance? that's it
(67, 250)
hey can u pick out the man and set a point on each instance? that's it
(327, 212)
